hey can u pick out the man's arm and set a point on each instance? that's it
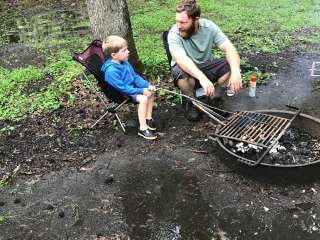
(233, 59)
(188, 66)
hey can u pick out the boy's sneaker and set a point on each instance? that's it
(151, 124)
(147, 134)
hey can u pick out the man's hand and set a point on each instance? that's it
(233, 59)
(207, 86)
(235, 81)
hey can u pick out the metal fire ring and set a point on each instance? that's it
(306, 117)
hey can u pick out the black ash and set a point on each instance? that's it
(295, 147)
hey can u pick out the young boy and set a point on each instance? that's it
(119, 73)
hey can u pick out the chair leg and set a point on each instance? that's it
(99, 119)
(117, 117)
(121, 124)
(117, 106)
(121, 104)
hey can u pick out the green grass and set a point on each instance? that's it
(15, 103)
(254, 27)
(267, 27)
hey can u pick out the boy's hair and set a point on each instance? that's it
(113, 44)
(191, 7)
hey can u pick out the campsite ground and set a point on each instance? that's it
(177, 187)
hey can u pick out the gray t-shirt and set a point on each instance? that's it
(199, 46)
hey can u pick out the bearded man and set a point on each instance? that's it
(191, 41)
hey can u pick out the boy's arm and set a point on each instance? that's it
(140, 82)
(114, 79)
(137, 79)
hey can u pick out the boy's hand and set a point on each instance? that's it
(152, 88)
(147, 92)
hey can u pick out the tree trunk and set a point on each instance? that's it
(111, 17)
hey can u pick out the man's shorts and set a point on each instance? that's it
(212, 69)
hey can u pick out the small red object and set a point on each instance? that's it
(253, 79)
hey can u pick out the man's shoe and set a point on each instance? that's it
(219, 92)
(147, 134)
(191, 112)
(151, 124)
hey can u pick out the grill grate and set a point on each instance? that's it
(254, 128)
(251, 127)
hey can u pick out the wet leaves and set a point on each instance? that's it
(9, 176)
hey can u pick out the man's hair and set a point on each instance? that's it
(113, 44)
(191, 7)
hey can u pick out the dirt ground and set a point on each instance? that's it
(74, 182)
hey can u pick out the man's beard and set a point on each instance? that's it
(188, 33)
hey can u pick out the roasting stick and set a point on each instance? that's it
(209, 112)
(202, 106)
(195, 100)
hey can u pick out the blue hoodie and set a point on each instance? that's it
(123, 77)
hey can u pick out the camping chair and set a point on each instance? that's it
(166, 46)
(92, 59)
(169, 57)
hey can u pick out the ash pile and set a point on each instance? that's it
(295, 147)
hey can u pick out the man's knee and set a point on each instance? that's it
(186, 85)
(185, 82)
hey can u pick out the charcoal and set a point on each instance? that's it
(295, 147)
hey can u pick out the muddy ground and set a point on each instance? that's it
(74, 182)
